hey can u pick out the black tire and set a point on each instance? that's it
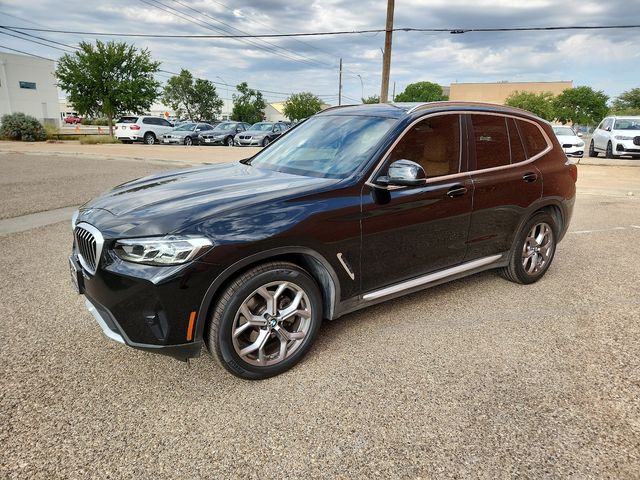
(592, 150)
(515, 271)
(228, 141)
(220, 339)
(188, 141)
(609, 150)
(149, 138)
(266, 141)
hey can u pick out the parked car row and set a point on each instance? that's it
(150, 130)
(616, 136)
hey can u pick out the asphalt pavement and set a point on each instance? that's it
(478, 378)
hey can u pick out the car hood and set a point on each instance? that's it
(255, 133)
(169, 202)
(626, 133)
(573, 139)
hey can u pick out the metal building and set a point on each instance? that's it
(27, 85)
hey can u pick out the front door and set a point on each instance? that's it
(410, 231)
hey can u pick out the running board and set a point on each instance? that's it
(432, 277)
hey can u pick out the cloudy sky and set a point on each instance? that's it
(607, 60)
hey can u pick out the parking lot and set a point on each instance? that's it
(477, 378)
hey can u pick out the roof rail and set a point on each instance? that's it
(334, 107)
(417, 107)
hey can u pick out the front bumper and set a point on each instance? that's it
(173, 140)
(134, 308)
(246, 142)
(625, 147)
(211, 141)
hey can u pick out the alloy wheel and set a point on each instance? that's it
(188, 141)
(538, 248)
(271, 323)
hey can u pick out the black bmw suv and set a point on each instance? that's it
(352, 207)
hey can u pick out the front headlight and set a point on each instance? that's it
(623, 137)
(580, 144)
(74, 219)
(162, 251)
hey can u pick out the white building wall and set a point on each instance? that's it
(41, 102)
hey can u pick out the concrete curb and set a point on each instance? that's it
(608, 162)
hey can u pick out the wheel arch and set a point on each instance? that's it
(308, 259)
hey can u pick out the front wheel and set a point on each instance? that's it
(266, 141)
(188, 141)
(592, 150)
(533, 251)
(229, 142)
(610, 151)
(265, 321)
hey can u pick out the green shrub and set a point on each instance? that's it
(102, 122)
(51, 130)
(18, 126)
(95, 139)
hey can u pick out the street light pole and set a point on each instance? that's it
(361, 87)
(226, 86)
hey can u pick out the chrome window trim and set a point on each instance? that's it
(429, 278)
(370, 181)
(99, 245)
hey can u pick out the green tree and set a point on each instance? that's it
(540, 104)
(248, 105)
(581, 105)
(108, 79)
(301, 105)
(627, 103)
(372, 99)
(421, 92)
(197, 99)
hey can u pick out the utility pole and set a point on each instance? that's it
(340, 85)
(386, 59)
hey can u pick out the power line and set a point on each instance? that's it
(26, 53)
(317, 34)
(244, 37)
(33, 41)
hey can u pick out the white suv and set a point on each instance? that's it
(141, 128)
(616, 136)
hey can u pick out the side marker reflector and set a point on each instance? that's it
(192, 322)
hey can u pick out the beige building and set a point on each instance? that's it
(499, 92)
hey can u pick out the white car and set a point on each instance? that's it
(616, 136)
(571, 142)
(141, 128)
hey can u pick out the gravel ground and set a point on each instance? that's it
(478, 378)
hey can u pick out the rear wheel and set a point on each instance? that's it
(592, 150)
(149, 138)
(533, 251)
(265, 321)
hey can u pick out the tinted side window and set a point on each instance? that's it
(532, 138)
(148, 121)
(491, 141)
(434, 143)
(515, 142)
(165, 123)
(607, 123)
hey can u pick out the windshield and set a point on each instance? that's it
(186, 126)
(224, 126)
(263, 127)
(564, 131)
(325, 146)
(627, 124)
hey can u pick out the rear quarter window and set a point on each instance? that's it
(534, 141)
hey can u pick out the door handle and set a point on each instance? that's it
(530, 177)
(456, 191)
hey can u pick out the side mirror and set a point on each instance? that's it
(580, 134)
(608, 129)
(406, 173)
(198, 129)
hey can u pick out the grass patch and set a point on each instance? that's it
(97, 139)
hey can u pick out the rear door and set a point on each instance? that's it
(411, 231)
(505, 181)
